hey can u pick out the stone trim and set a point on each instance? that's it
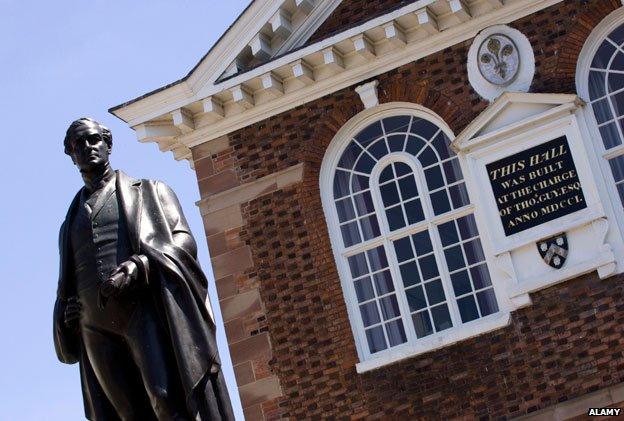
(609, 396)
(249, 191)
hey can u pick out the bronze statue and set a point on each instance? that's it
(130, 302)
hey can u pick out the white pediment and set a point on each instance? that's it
(511, 111)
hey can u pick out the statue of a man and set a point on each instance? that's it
(130, 303)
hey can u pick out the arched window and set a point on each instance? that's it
(601, 71)
(404, 233)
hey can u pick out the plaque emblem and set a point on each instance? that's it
(554, 250)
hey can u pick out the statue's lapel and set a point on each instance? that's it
(131, 201)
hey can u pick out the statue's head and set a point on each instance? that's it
(88, 143)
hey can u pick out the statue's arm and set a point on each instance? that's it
(180, 229)
(66, 342)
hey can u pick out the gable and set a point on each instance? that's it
(353, 12)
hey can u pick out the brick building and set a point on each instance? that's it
(413, 208)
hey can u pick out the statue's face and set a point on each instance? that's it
(89, 149)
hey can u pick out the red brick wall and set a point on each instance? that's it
(354, 12)
(568, 343)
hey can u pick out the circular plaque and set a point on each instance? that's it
(498, 60)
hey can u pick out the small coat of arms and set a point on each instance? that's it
(554, 250)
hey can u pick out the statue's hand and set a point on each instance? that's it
(72, 312)
(120, 279)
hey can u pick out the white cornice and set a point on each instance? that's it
(419, 44)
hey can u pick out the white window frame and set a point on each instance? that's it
(413, 346)
(597, 154)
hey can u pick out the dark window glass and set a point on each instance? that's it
(428, 267)
(617, 35)
(349, 156)
(441, 317)
(442, 144)
(413, 145)
(408, 187)
(357, 264)
(409, 274)
(459, 195)
(474, 252)
(603, 55)
(461, 283)
(377, 258)
(395, 218)
(369, 134)
(389, 194)
(396, 142)
(617, 167)
(386, 174)
(467, 227)
(435, 292)
(341, 184)
(452, 171)
(602, 111)
(383, 282)
(467, 308)
(370, 315)
(402, 169)
(454, 258)
(376, 340)
(403, 249)
(448, 233)
(423, 128)
(618, 62)
(616, 81)
(359, 183)
(610, 136)
(365, 164)
(414, 211)
(370, 227)
(350, 234)
(422, 324)
(480, 276)
(434, 178)
(364, 289)
(416, 298)
(596, 85)
(427, 157)
(378, 149)
(487, 302)
(363, 203)
(396, 124)
(345, 210)
(389, 307)
(396, 332)
(440, 202)
(422, 243)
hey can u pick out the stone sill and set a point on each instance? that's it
(439, 340)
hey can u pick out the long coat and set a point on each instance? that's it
(153, 216)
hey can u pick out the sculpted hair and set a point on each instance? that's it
(86, 121)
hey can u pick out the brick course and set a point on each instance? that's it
(566, 344)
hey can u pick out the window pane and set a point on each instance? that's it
(467, 308)
(617, 168)
(459, 195)
(359, 183)
(350, 234)
(422, 243)
(383, 282)
(452, 171)
(434, 178)
(395, 218)
(423, 128)
(441, 317)
(370, 315)
(454, 258)
(389, 194)
(435, 292)
(617, 35)
(386, 174)
(377, 258)
(409, 274)
(416, 298)
(440, 202)
(427, 157)
(370, 227)
(480, 276)
(401, 169)
(376, 339)
(414, 211)
(467, 227)
(396, 124)
(428, 267)
(474, 252)
(403, 249)
(448, 233)
(364, 289)
(389, 307)
(414, 145)
(617, 101)
(602, 111)
(610, 136)
(616, 81)
(349, 156)
(618, 62)
(341, 184)
(345, 210)
(487, 302)
(408, 187)
(358, 266)
(396, 332)
(596, 85)
(379, 148)
(369, 134)
(461, 283)
(365, 164)
(396, 142)
(442, 144)
(364, 203)
(603, 55)
(422, 324)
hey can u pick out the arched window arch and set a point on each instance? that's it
(600, 82)
(403, 231)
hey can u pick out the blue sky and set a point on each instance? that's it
(61, 60)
